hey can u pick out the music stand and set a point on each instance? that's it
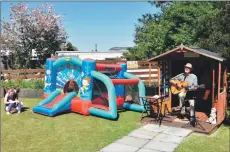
(161, 115)
(158, 103)
(192, 95)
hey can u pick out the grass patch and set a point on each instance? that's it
(70, 132)
(217, 142)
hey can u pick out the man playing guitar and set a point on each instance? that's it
(191, 80)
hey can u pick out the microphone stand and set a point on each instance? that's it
(197, 122)
(160, 115)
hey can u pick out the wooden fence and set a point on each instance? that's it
(23, 74)
(146, 71)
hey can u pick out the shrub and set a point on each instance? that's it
(23, 84)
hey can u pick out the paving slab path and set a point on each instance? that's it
(149, 138)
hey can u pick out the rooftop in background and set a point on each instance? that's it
(113, 53)
(112, 50)
(119, 49)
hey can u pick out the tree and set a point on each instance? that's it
(40, 29)
(70, 47)
(214, 29)
(203, 24)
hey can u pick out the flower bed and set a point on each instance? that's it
(24, 84)
(28, 88)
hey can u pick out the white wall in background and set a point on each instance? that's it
(93, 55)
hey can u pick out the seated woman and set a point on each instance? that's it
(129, 99)
(11, 101)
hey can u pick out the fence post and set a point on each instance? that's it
(150, 71)
(158, 78)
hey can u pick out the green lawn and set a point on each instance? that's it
(217, 142)
(72, 132)
(29, 132)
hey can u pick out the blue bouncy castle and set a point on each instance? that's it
(80, 75)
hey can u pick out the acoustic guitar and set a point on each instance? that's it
(184, 86)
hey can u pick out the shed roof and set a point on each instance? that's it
(209, 54)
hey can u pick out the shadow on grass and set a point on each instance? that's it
(98, 117)
(34, 114)
(226, 121)
(24, 109)
(63, 113)
(121, 110)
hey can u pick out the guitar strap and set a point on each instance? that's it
(185, 76)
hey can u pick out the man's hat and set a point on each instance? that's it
(188, 65)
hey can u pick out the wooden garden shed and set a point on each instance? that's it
(211, 70)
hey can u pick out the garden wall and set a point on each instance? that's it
(31, 93)
(1, 92)
(26, 93)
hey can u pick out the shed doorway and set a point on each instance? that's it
(203, 70)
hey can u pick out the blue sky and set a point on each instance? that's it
(107, 24)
